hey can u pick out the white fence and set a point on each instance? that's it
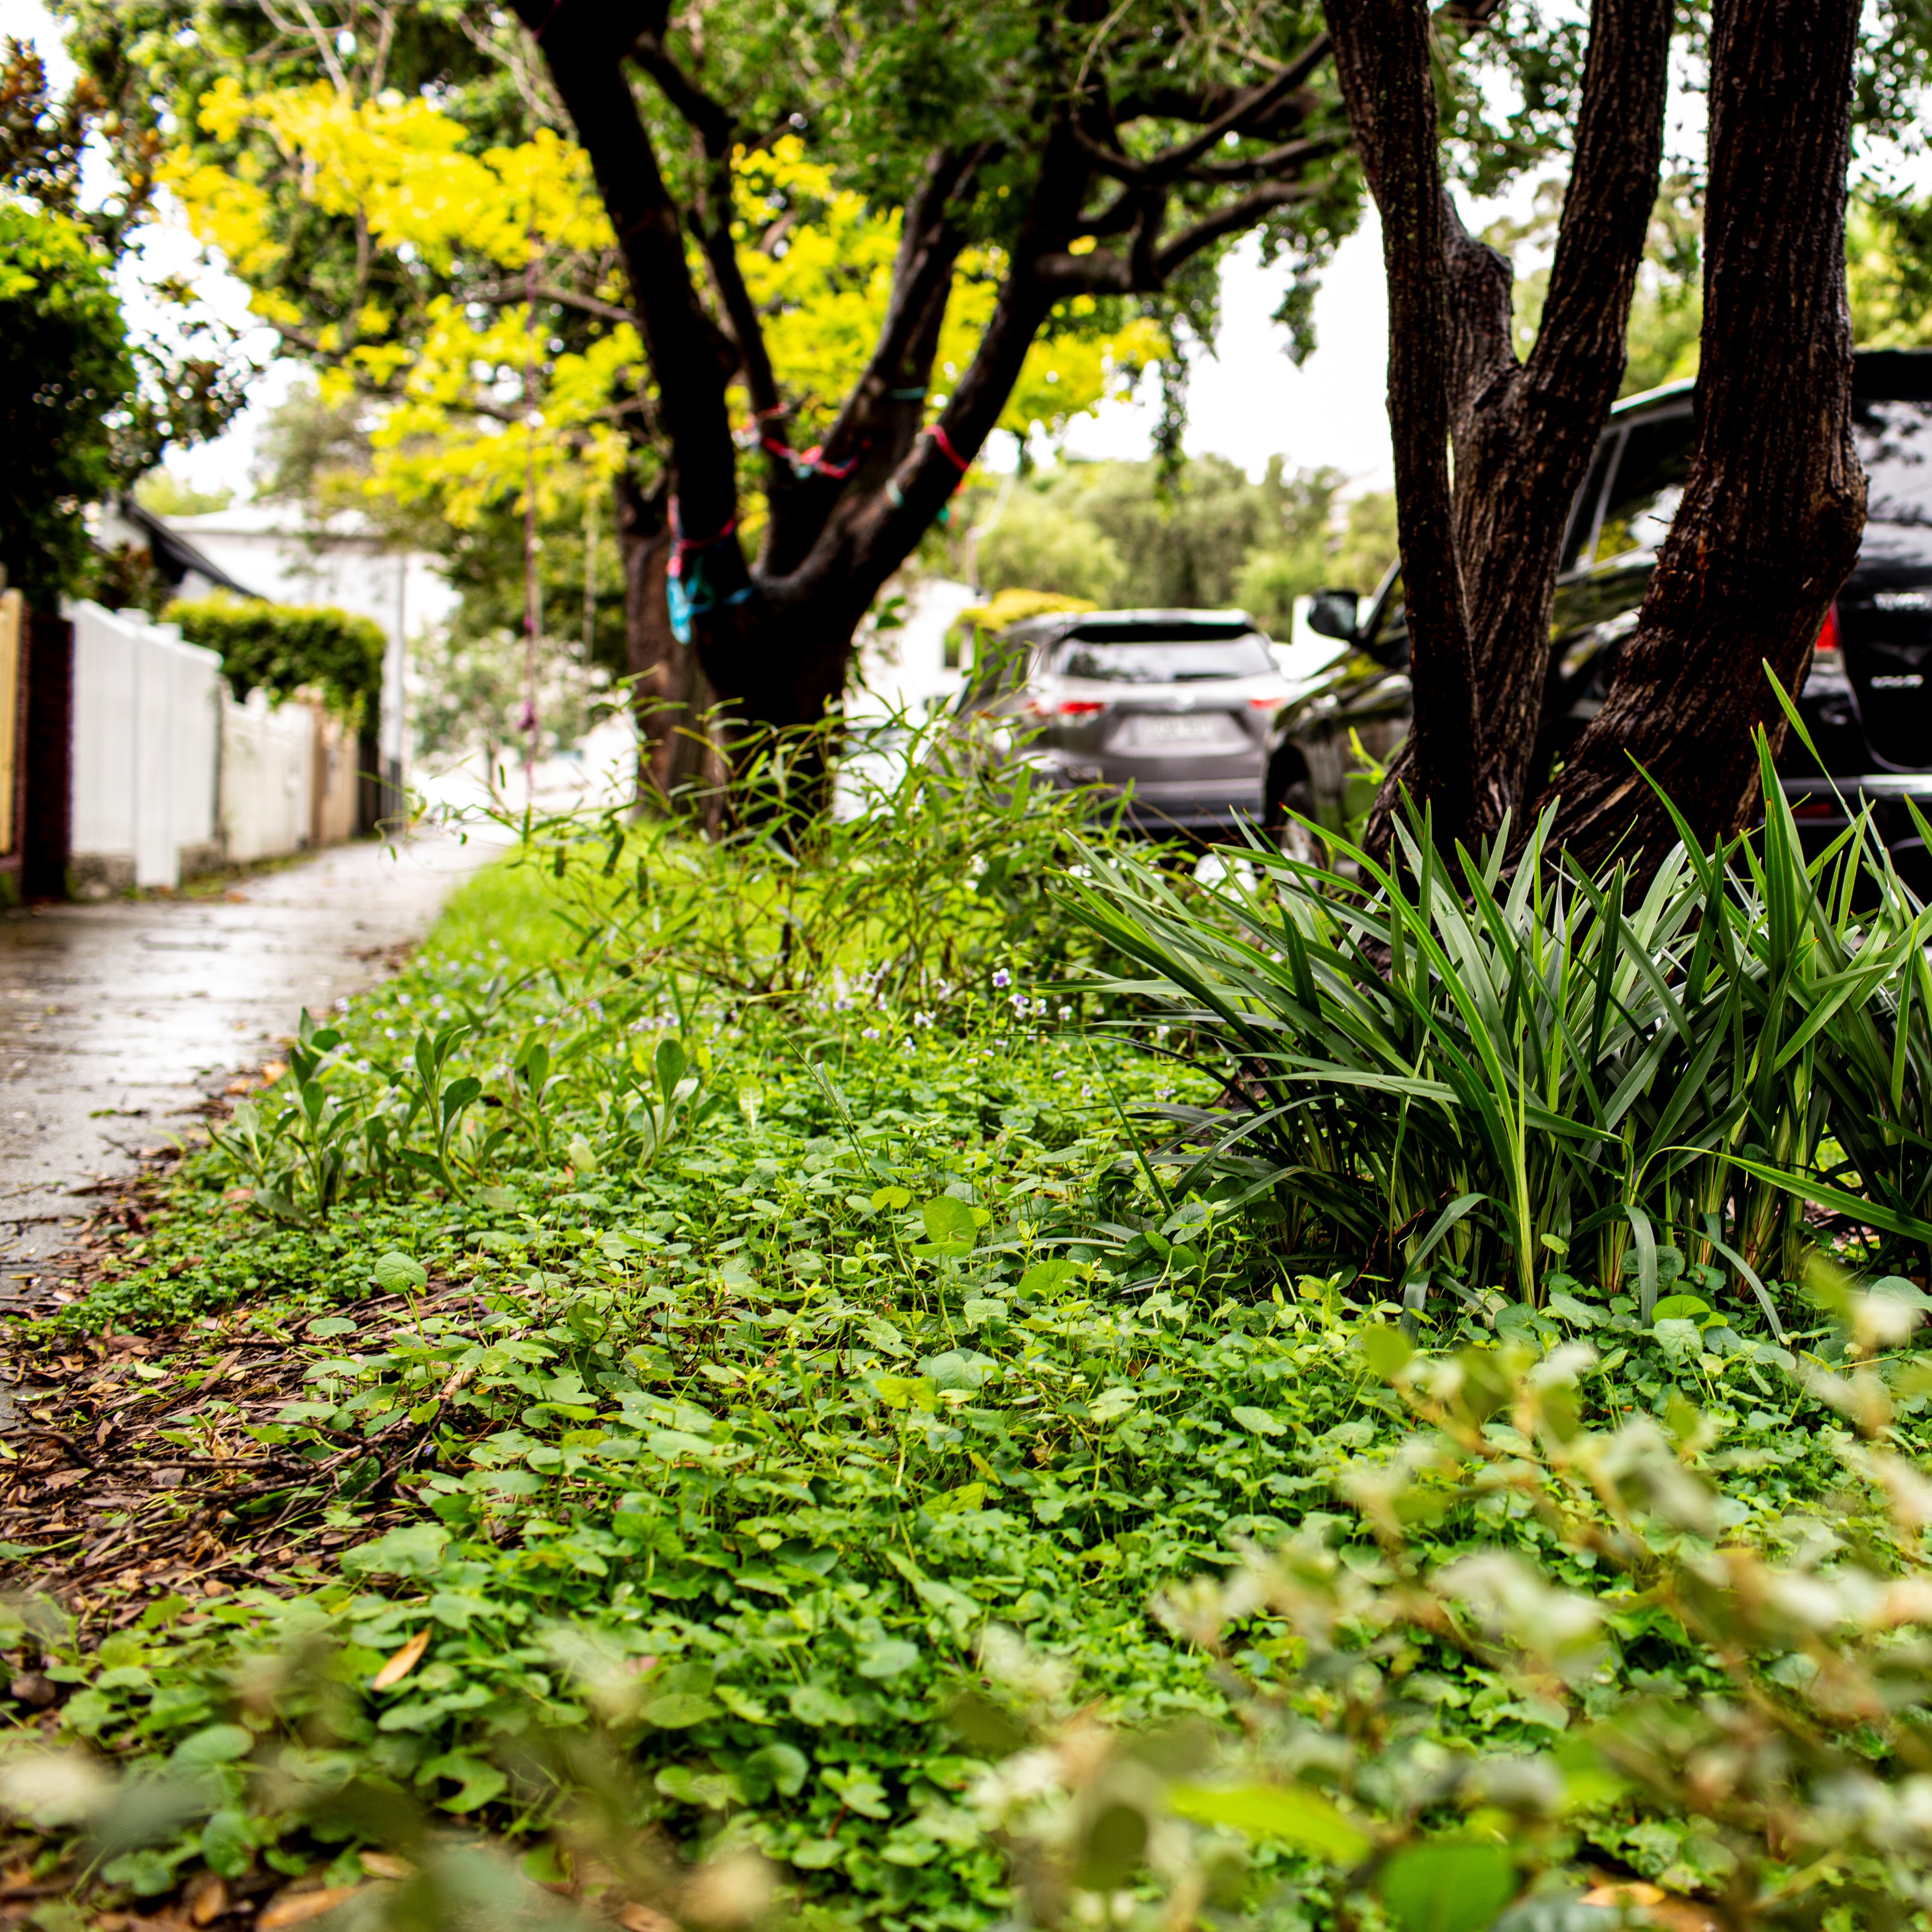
(172, 776)
(146, 749)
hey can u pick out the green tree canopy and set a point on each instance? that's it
(68, 373)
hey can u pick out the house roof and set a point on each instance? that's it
(175, 552)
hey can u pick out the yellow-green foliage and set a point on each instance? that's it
(401, 166)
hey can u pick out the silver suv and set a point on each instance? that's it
(1171, 709)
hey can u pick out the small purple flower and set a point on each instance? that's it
(1002, 979)
(1067, 1012)
(871, 1033)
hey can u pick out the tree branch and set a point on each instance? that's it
(584, 47)
(708, 119)
(881, 416)
(1151, 261)
(507, 294)
(311, 347)
(1606, 220)
(1228, 220)
(1233, 118)
(1290, 154)
(716, 127)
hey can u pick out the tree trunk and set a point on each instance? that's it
(672, 696)
(1480, 555)
(1382, 59)
(1774, 506)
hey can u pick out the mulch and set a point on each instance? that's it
(129, 1471)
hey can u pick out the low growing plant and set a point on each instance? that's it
(1788, 1788)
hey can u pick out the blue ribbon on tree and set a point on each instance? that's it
(688, 592)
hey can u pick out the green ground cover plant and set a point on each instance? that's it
(744, 1378)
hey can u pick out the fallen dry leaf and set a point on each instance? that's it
(272, 1070)
(297, 1908)
(206, 1898)
(642, 1918)
(1658, 1906)
(385, 1865)
(405, 1661)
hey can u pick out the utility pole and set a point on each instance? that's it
(532, 594)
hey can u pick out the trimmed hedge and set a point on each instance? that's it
(284, 648)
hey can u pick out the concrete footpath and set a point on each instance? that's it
(117, 1019)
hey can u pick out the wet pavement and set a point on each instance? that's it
(116, 1020)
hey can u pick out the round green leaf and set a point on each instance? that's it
(886, 1656)
(1448, 1888)
(948, 1221)
(398, 1274)
(213, 1744)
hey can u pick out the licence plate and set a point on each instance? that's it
(1181, 727)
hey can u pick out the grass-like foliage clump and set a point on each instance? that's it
(1496, 1073)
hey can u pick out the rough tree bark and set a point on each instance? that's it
(1479, 550)
(774, 638)
(1382, 62)
(1774, 506)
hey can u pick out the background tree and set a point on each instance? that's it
(1485, 545)
(188, 379)
(391, 197)
(1774, 505)
(1102, 158)
(1134, 534)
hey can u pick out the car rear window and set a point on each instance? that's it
(1894, 438)
(1163, 662)
(1648, 487)
(1894, 443)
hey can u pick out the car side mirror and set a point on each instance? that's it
(1335, 613)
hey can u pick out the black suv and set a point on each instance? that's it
(1866, 701)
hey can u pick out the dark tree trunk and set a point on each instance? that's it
(1774, 506)
(671, 693)
(1382, 59)
(1479, 553)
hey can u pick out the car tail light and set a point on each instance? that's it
(1828, 633)
(1267, 703)
(1814, 807)
(1067, 707)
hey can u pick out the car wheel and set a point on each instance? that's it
(1292, 838)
